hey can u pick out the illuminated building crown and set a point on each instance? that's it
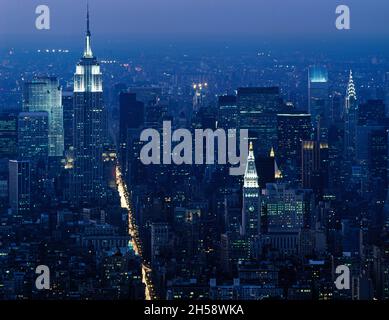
(251, 176)
(351, 92)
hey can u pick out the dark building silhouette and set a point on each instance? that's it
(314, 165)
(266, 170)
(131, 114)
(292, 129)
(19, 187)
(371, 111)
(258, 108)
(228, 113)
(132, 117)
(378, 162)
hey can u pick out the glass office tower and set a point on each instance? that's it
(44, 94)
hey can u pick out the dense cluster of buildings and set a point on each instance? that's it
(313, 195)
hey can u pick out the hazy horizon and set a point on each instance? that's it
(185, 18)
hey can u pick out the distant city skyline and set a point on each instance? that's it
(144, 157)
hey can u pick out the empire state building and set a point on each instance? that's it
(89, 186)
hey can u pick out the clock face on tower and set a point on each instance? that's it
(251, 209)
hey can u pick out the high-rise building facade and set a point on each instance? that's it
(292, 130)
(159, 239)
(8, 151)
(132, 116)
(19, 187)
(33, 146)
(337, 108)
(89, 187)
(68, 118)
(318, 98)
(286, 209)
(8, 135)
(258, 108)
(378, 162)
(314, 165)
(33, 136)
(386, 93)
(131, 113)
(228, 112)
(44, 94)
(373, 111)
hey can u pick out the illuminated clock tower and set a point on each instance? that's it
(251, 217)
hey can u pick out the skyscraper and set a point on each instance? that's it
(258, 108)
(131, 113)
(337, 108)
(8, 135)
(251, 218)
(19, 187)
(292, 130)
(370, 142)
(33, 129)
(228, 112)
(8, 150)
(351, 94)
(318, 98)
(378, 162)
(131, 116)
(314, 165)
(33, 146)
(386, 93)
(310, 163)
(44, 94)
(68, 118)
(373, 111)
(351, 114)
(89, 187)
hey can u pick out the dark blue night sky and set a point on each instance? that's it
(197, 17)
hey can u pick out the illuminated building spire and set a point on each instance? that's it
(272, 153)
(251, 214)
(88, 181)
(277, 171)
(88, 48)
(251, 176)
(351, 94)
